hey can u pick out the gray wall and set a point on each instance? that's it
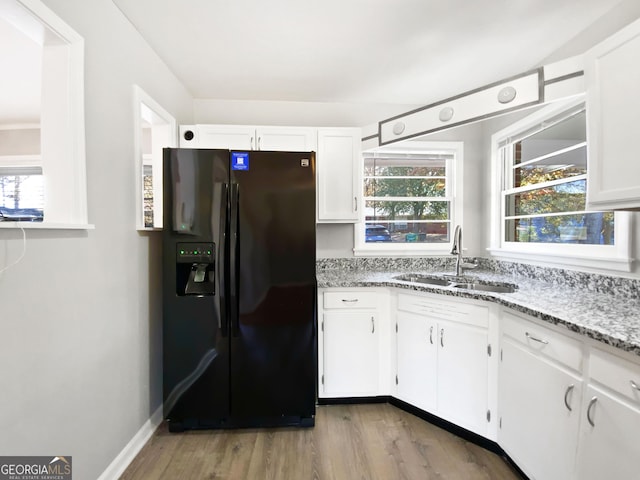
(80, 314)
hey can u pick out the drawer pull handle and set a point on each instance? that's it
(566, 396)
(373, 325)
(591, 404)
(535, 339)
(349, 300)
(442, 337)
(431, 334)
(634, 385)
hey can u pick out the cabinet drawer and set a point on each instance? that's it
(350, 300)
(445, 309)
(558, 347)
(616, 373)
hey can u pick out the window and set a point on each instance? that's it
(542, 165)
(154, 129)
(21, 178)
(21, 193)
(410, 201)
(44, 93)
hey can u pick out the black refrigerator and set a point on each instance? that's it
(239, 289)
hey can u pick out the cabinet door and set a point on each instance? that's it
(233, 137)
(612, 73)
(463, 378)
(417, 361)
(286, 139)
(350, 355)
(338, 166)
(609, 448)
(539, 414)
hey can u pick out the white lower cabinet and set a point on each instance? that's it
(568, 408)
(540, 390)
(463, 381)
(539, 414)
(443, 358)
(609, 445)
(351, 353)
(417, 367)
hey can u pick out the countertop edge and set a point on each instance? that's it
(599, 335)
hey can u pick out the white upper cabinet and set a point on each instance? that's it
(246, 137)
(337, 152)
(612, 71)
(290, 139)
(338, 166)
(235, 137)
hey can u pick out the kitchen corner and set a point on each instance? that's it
(605, 309)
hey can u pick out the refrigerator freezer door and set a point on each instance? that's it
(195, 347)
(273, 340)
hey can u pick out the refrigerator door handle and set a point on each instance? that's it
(223, 323)
(234, 260)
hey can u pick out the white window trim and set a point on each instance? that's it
(363, 249)
(63, 157)
(597, 258)
(165, 136)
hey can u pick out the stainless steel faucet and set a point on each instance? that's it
(456, 249)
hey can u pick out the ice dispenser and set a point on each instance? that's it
(195, 267)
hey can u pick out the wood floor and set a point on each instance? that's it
(349, 442)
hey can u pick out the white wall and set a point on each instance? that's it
(80, 349)
(243, 112)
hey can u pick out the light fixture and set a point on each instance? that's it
(506, 95)
(446, 114)
(398, 128)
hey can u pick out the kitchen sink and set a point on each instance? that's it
(458, 283)
(442, 282)
(484, 287)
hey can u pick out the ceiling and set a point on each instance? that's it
(410, 52)
(404, 52)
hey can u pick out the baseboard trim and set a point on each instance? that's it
(353, 400)
(119, 464)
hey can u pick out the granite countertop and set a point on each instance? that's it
(610, 318)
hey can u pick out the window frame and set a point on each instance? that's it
(454, 189)
(62, 124)
(599, 257)
(163, 133)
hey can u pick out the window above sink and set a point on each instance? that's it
(539, 195)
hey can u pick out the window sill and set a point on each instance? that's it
(46, 226)
(600, 264)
